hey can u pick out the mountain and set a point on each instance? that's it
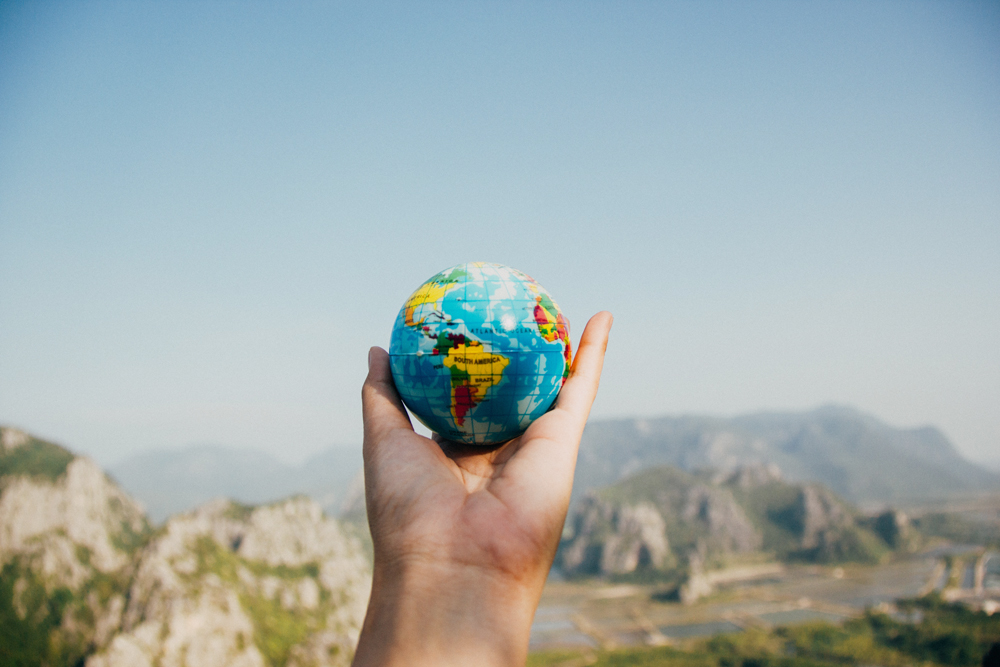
(667, 521)
(68, 542)
(233, 585)
(85, 580)
(172, 481)
(854, 454)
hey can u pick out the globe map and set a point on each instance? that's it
(478, 352)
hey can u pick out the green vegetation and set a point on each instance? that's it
(276, 628)
(262, 569)
(854, 544)
(102, 586)
(238, 511)
(773, 507)
(129, 540)
(958, 529)
(776, 509)
(657, 657)
(29, 621)
(781, 513)
(32, 628)
(946, 634)
(36, 458)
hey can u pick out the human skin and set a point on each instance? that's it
(464, 536)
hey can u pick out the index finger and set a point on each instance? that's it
(578, 394)
(539, 473)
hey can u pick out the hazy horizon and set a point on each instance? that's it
(208, 213)
(990, 461)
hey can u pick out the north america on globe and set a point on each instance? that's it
(478, 352)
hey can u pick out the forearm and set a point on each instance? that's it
(439, 614)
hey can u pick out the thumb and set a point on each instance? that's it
(381, 406)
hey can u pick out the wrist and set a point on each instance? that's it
(443, 613)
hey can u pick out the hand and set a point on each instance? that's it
(464, 536)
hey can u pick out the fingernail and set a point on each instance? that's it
(369, 359)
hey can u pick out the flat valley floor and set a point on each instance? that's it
(603, 615)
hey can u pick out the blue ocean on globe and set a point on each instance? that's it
(478, 352)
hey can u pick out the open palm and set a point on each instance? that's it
(460, 513)
(501, 507)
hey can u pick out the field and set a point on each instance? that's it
(775, 614)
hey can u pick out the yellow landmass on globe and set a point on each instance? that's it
(429, 293)
(473, 372)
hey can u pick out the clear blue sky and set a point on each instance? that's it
(209, 211)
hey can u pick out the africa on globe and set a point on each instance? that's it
(478, 352)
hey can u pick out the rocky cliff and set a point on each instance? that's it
(668, 521)
(68, 540)
(232, 585)
(654, 520)
(85, 579)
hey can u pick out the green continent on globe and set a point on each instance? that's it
(479, 351)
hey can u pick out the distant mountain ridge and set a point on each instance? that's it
(171, 481)
(854, 454)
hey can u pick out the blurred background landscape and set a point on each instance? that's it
(208, 213)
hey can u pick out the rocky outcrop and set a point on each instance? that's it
(821, 517)
(830, 532)
(635, 526)
(85, 579)
(684, 525)
(54, 522)
(68, 536)
(639, 539)
(632, 536)
(753, 475)
(893, 526)
(230, 585)
(725, 523)
(696, 584)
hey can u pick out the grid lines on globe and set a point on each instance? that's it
(413, 393)
(419, 383)
(456, 380)
(509, 289)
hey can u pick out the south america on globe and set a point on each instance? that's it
(478, 352)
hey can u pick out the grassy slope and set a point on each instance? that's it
(35, 458)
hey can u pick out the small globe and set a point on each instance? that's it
(479, 352)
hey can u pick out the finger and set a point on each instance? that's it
(540, 472)
(398, 462)
(381, 406)
(578, 394)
